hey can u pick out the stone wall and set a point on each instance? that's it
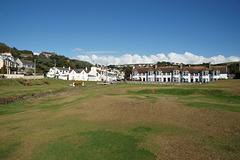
(17, 76)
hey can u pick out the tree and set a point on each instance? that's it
(4, 48)
(4, 69)
(237, 75)
(128, 71)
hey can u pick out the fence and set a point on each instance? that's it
(17, 76)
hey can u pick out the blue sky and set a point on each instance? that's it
(114, 28)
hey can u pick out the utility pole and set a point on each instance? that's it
(34, 69)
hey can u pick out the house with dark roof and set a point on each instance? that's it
(48, 54)
(180, 74)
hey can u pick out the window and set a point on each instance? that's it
(196, 80)
(216, 73)
(150, 73)
(169, 79)
(205, 73)
(176, 72)
(196, 74)
(185, 73)
(192, 74)
(164, 79)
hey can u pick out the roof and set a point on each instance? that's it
(222, 69)
(26, 55)
(78, 70)
(48, 53)
(27, 62)
(168, 69)
(143, 70)
(195, 69)
(61, 68)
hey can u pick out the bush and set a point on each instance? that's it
(46, 82)
(78, 83)
(24, 82)
(2, 76)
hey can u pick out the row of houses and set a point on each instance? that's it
(14, 64)
(95, 74)
(179, 74)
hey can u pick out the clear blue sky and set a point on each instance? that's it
(203, 27)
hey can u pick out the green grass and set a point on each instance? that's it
(213, 106)
(13, 108)
(209, 95)
(13, 87)
(6, 151)
(221, 144)
(71, 127)
(104, 145)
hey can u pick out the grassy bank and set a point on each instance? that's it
(125, 122)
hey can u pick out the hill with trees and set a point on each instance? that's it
(45, 63)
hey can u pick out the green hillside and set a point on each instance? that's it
(45, 63)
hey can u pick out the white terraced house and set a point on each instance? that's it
(179, 74)
(78, 74)
(59, 73)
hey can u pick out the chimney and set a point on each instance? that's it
(209, 65)
(180, 65)
(156, 66)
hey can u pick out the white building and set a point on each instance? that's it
(180, 74)
(8, 60)
(59, 73)
(78, 75)
(95, 74)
